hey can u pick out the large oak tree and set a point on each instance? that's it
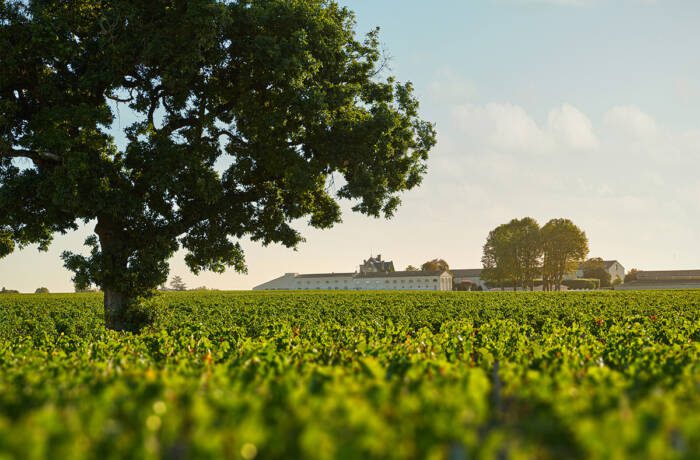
(281, 92)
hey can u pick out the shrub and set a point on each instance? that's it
(582, 283)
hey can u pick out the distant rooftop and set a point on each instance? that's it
(326, 275)
(466, 272)
(669, 275)
(607, 263)
(401, 274)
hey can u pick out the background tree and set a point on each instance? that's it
(411, 268)
(564, 247)
(176, 284)
(526, 244)
(617, 281)
(435, 265)
(42, 290)
(595, 269)
(631, 275)
(513, 253)
(497, 261)
(244, 113)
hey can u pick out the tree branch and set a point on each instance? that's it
(31, 154)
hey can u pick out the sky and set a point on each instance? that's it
(584, 109)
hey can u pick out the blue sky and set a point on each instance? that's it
(545, 108)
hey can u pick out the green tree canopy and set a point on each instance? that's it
(595, 269)
(435, 265)
(245, 115)
(411, 268)
(631, 275)
(497, 260)
(176, 284)
(42, 290)
(564, 247)
(512, 253)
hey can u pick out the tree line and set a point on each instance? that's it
(518, 253)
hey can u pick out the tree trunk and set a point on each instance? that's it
(115, 310)
(114, 263)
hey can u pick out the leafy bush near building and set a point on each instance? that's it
(582, 283)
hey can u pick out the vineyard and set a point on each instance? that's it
(318, 375)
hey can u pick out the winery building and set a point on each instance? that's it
(374, 274)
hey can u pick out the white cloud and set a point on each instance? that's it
(501, 126)
(505, 127)
(631, 122)
(571, 127)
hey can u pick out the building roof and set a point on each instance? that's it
(669, 275)
(660, 284)
(376, 264)
(327, 275)
(606, 263)
(467, 273)
(401, 274)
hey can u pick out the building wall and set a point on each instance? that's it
(616, 270)
(292, 281)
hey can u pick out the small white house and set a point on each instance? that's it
(613, 267)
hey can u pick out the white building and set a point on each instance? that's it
(369, 278)
(613, 267)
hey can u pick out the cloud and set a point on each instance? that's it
(501, 126)
(571, 127)
(631, 122)
(506, 127)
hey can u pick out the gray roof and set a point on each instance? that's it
(606, 263)
(401, 274)
(327, 275)
(669, 275)
(610, 263)
(466, 273)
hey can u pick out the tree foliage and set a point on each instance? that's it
(631, 275)
(435, 265)
(411, 268)
(564, 247)
(595, 269)
(245, 115)
(516, 253)
(512, 253)
(498, 265)
(176, 284)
